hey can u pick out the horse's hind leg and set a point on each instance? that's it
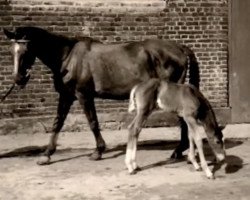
(184, 143)
(87, 103)
(62, 112)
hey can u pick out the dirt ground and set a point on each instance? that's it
(71, 175)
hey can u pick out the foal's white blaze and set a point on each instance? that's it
(17, 48)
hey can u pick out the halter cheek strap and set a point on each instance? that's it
(20, 41)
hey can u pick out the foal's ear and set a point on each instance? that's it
(9, 35)
(221, 127)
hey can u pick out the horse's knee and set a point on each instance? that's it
(94, 126)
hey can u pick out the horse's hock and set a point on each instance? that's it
(201, 25)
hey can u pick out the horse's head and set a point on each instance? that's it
(23, 56)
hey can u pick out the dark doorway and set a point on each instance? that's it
(240, 60)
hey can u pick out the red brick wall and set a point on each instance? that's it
(200, 24)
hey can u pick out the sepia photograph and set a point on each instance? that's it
(124, 99)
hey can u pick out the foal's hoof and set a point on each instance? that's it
(96, 155)
(137, 169)
(133, 172)
(43, 160)
(211, 176)
(198, 169)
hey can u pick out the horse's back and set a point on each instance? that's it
(113, 69)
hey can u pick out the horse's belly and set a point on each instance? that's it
(117, 82)
(114, 94)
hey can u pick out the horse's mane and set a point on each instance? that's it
(36, 34)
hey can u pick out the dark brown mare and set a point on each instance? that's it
(84, 69)
(184, 100)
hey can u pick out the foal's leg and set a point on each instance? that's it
(191, 152)
(62, 112)
(199, 144)
(131, 146)
(184, 143)
(88, 106)
(134, 130)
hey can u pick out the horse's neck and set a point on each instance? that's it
(53, 52)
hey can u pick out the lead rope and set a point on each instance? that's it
(8, 92)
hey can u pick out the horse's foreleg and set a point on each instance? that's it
(184, 143)
(62, 112)
(88, 106)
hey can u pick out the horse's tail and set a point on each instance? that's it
(193, 65)
(132, 103)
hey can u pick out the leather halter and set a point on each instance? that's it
(20, 41)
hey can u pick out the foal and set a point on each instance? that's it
(187, 102)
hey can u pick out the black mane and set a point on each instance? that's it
(35, 33)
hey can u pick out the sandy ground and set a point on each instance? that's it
(71, 175)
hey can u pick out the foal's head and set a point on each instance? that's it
(23, 56)
(219, 148)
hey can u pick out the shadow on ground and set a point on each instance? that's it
(233, 163)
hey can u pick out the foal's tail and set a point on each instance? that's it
(132, 103)
(193, 65)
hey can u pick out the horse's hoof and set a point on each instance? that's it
(96, 156)
(43, 160)
(133, 172)
(177, 156)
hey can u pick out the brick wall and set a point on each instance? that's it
(200, 24)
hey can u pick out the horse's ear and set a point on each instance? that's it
(9, 35)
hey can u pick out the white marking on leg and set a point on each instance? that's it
(128, 160)
(199, 144)
(191, 153)
(134, 150)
